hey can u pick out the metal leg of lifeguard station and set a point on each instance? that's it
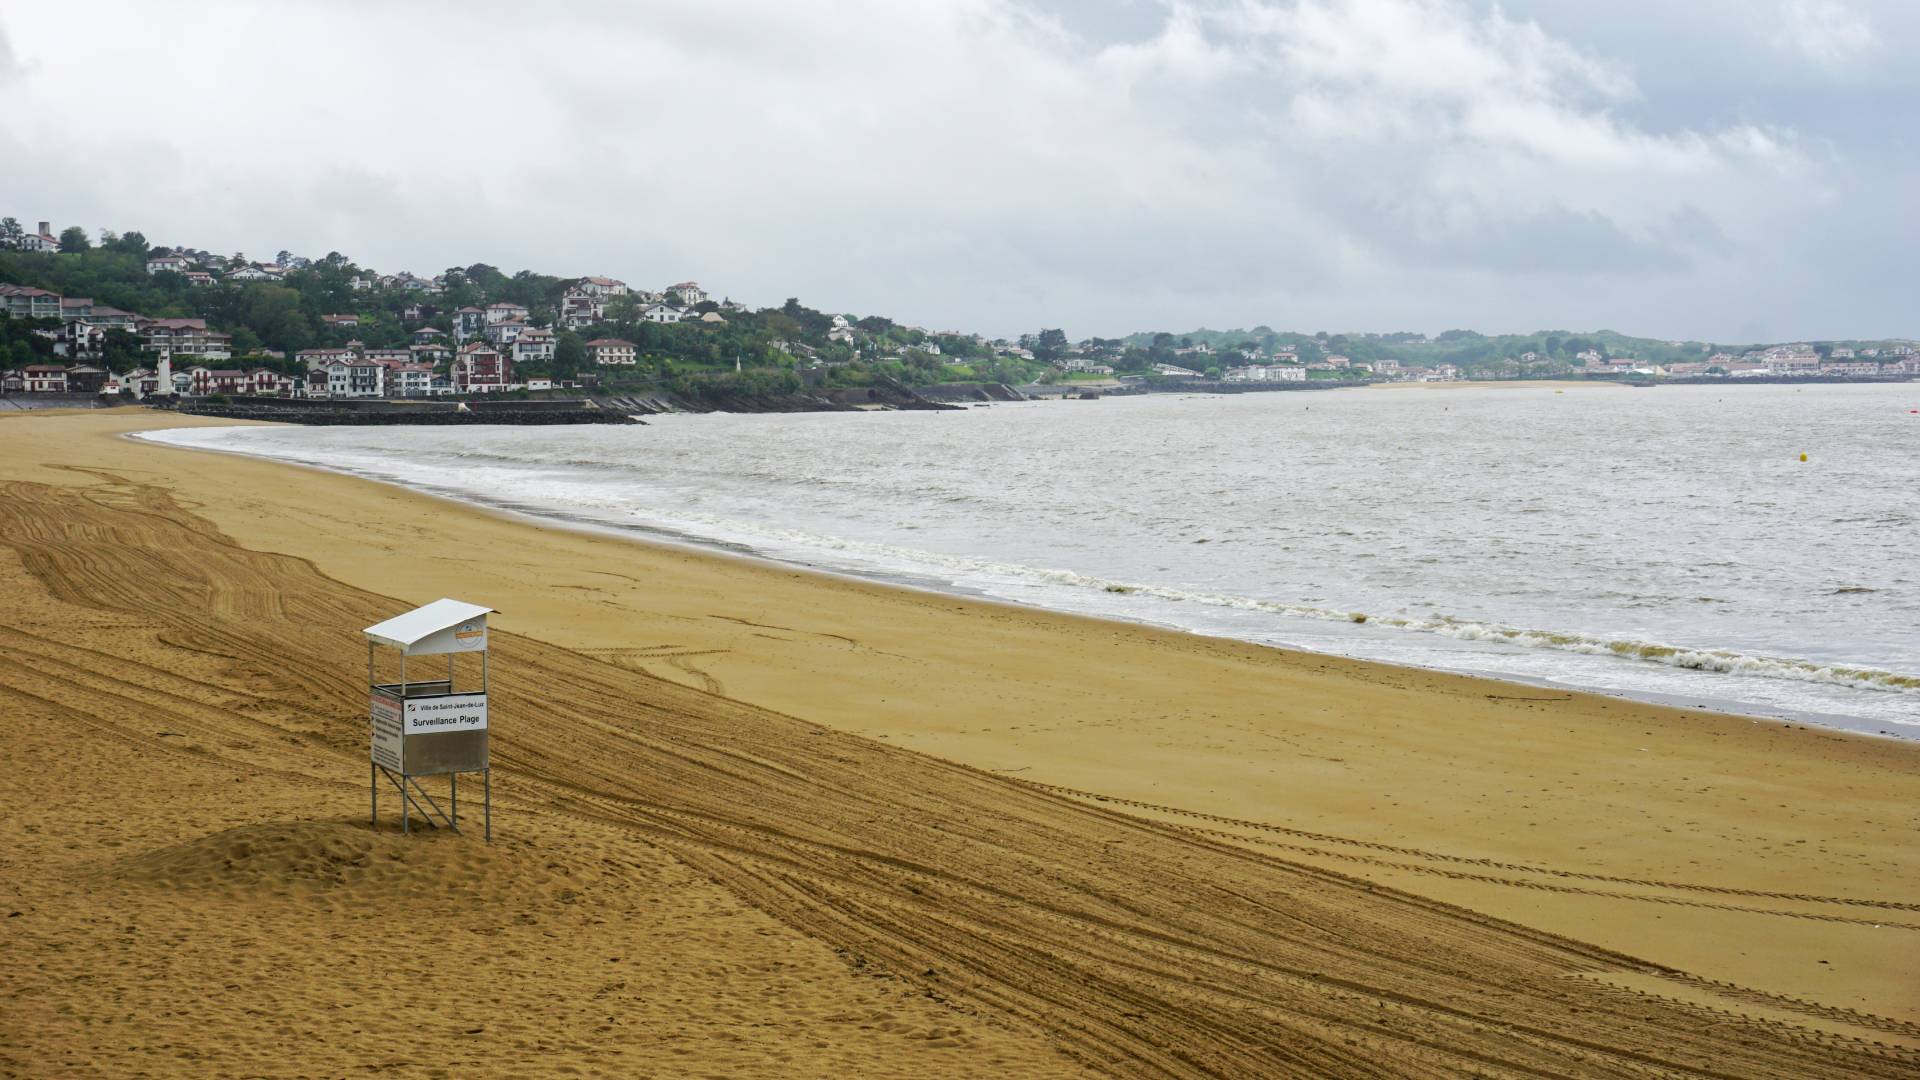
(409, 788)
(451, 816)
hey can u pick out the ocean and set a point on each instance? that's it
(1666, 544)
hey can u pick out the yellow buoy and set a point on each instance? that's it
(1803, 457)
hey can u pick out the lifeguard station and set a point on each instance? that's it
(430, 727)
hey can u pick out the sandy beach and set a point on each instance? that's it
(755, 821)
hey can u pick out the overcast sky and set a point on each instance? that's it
(1733, 170)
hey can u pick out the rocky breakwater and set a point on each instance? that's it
(376, 412)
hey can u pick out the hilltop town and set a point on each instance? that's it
(119, 318)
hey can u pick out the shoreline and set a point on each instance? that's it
(1680, 820)
(538, 515)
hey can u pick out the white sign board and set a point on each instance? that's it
(386, 731)
(453, 712)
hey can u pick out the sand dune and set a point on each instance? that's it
(687, 884)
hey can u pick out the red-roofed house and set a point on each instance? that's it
(535, 345)
(315, 358)
(185, 337)
(41, 239)
(479, 368)
(505, 310)
(222, 381)
(27, 302)
(267, 382)
(601, 286)
(45, 378)
(689, 292)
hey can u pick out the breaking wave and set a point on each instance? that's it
(1675, 656)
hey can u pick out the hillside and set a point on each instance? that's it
(332, 301)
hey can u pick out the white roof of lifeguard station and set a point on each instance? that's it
(405, 631)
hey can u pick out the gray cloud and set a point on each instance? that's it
(997, 165)
(9, 65)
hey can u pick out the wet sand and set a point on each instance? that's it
(812, 825)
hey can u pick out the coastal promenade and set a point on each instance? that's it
(756, 821)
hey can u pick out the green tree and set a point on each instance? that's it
(569, 354)
(73, 240)
(1050, 345)
(274, 313)
(11, 233)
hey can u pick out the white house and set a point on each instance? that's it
(601, 286)
(467, 322)
(1794, 363)
(355, 379)
(267, 382)
(504, 311)
(1850, 367)
(41, 239)
(534, 344)
(45, 378)
(579, 308)
(479, 369)
(1266, 373)
(251, 273)
(77, 338)
(608, 352)
(410, 380)
(27, 302)
(505, 331)
(318, 358)
(176, 263)
(663, 313)
(689, 292)
(185, 338)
